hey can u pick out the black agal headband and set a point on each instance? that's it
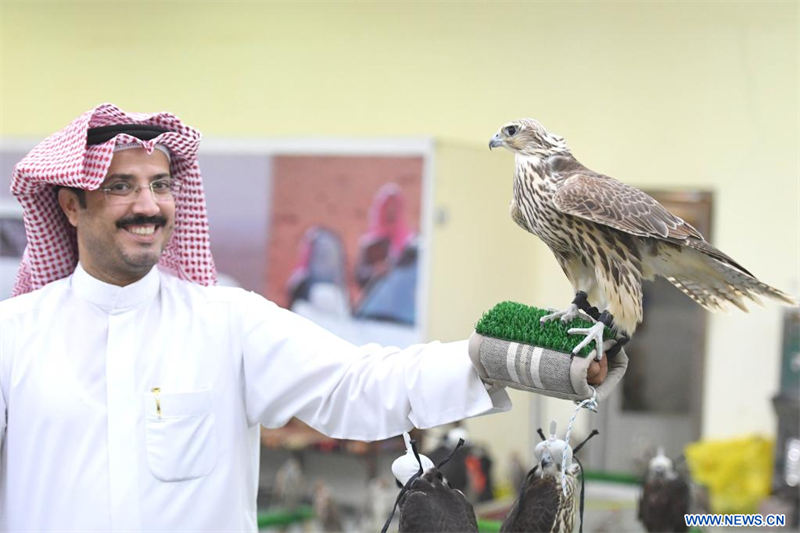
(144, 132)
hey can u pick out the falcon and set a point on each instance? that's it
(665, 497)
(431, 505)
(548, 500)
(608, 236)
(427, 503)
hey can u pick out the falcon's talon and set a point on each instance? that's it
(594, 333)
(566, 315)
(582, 301)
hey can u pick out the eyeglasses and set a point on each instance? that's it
(162, 190)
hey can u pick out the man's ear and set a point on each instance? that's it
(70, 204)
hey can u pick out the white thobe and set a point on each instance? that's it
(137, 407)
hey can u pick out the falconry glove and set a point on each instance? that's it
(511, 347)
(542, 370)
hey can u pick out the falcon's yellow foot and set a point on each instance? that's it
(566, 315)
(594, 333)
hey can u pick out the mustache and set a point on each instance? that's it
(140, 220)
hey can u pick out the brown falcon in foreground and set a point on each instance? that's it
(548, 500)
(608, 236)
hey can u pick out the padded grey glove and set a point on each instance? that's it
(542, 370)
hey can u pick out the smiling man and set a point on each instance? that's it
(132, 388)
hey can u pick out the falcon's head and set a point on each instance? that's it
(660, 467)
(550, 454)
(527, 137)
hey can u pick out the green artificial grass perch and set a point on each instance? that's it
(513, 321)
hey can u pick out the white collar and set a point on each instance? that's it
(113, 298)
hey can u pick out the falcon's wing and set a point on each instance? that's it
(536, 508)
(430, 505)
(606, 201)
(663, 504)
(680, 502)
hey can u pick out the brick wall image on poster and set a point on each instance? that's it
(342, 248)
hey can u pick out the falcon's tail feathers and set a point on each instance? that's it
(712, 283)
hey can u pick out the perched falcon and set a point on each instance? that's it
(326, 510)
(545, 504)
(427, 503)
(290, 484)
(431, 505)
(608, 236)
(665, 497)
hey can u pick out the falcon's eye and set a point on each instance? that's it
(510, 130)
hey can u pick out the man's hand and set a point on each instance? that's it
(598, 370)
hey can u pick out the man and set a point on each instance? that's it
(132, 395)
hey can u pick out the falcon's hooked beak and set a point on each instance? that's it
(546, 460)
(496, 141)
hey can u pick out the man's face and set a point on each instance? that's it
(120, 238)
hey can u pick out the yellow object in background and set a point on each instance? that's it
(737, 472)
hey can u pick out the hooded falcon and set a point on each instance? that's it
(430, 505)
(548, 500)
(608, 236)
(427, 503)
(665, 496)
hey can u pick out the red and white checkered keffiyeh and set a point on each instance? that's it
(64, 159)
